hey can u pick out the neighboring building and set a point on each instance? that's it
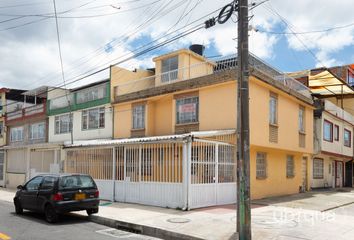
(332, 164)
(333, 143)
(27, 151)
(188, 94)
(91, 113)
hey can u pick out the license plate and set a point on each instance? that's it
(80, 196)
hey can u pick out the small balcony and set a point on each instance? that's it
(35, 110)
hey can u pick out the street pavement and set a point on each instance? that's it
(31, 225)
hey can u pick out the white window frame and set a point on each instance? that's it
(139, 116)
(290, 166)
(318, 168)
(34, 131)
(92, 94)
(16, 134)
(302, 119)
(59, 124)
(190, 118)
(168, 69)
(85, 121)
(261, 165)
(273, 109)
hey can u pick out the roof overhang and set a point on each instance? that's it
(37, 92)
(324, 83)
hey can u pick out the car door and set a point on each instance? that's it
(45, 191)
(28, 197)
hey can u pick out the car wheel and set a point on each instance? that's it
(91, 211)
(50, 215)
(18, 207)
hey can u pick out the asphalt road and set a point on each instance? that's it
(31, 225)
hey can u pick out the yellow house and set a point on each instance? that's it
(188, 93)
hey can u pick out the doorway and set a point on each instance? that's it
(349, 174)
(338, 178)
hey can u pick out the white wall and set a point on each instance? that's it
(327, 180)
(337, 147)
(78, 133)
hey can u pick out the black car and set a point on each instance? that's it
(56, 194)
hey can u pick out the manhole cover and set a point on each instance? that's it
(114, 233)
(178, 220)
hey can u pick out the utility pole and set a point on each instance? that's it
(243, 143)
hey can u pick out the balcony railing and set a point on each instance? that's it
(26, 112)
(207, 68)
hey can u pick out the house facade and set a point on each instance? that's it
(27, 149)
(333, 144)
(89, 115)
(189, 93)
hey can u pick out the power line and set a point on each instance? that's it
(61, 64)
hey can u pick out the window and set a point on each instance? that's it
(347, 138)
(48, 183)
(290, 166)
(317, 168)
(16, 134)
(33, 185)
(93, 118)
(76, 181)
(37, 131)
(261, 165)
(63, 124)
(273, 111)
(169, 69)
(302, 119)
(336, 133)
(139, 117)
(94, 93)
(187, 110)
(1, 128)
(327, 131)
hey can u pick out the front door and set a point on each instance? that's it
(339, 174)
(304, 173)
(2, 168)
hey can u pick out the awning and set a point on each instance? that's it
(323, 82)
(177, 137)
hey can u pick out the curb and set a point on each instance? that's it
(343, 205)
(141, 229)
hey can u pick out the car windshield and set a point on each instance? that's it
(76, 181)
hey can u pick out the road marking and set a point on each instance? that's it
(3, 236)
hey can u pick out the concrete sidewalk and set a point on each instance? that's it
(268, 222)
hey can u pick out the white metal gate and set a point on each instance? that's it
(213, 174)
(2, 168)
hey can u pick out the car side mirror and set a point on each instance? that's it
(20, 187)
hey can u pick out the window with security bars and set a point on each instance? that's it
(318, 168)
(169, 69)
(139, 117)
(290, 166)
(261, 165)
(16, 134)
(93, 118)
(187, 110)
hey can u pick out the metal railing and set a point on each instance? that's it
(208, 68)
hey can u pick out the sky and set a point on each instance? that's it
(94, 34)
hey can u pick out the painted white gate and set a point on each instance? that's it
(213, 174)
(2, 168)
